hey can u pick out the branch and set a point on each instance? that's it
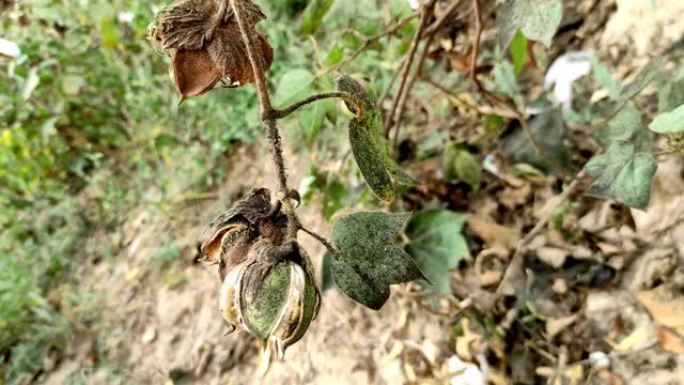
(476, 44)
(331, 248)
(270, 118)
(280, 114)
(409, 86)
(267, 115)
(424, 16)
(437, 25)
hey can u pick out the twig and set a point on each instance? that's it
(515, 268)
(406, 69)
(270, 118)
(366, 44)
(331, 248)
(437, 25)
(481, 109)
(476, 44)
(409, 86)
(280, 114)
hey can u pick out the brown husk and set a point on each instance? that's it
(204, 41)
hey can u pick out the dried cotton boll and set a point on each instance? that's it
(267, 285)
(205, 43)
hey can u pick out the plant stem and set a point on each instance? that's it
(476, 45)
(270, 118)
(409, 86)
(425, 14)
(280, 114)
(267, 114)
(331, 248)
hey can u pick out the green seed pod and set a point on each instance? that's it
(274, 297)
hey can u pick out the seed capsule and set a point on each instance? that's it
(267, 285)
(274, 301)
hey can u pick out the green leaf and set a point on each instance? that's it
(294, 84)
(519, 53)
(30, 84)
(311, 119)
(669, 122)
(370, 148)
(537, 19)
(335, 55)
(313, 16)
(505, 80)
(624, 174)
(604, 78)
(437, 244)
(626, 127)
(459, 164)
(671, 95)
(369, 261)
(365, 144)
(110, 33)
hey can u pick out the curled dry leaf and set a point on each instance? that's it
(204, 41)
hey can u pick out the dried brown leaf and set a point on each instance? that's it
(194, 72)
(205, 44)
(229, 53)
(670, 340)
(184, 24)
(666, 308)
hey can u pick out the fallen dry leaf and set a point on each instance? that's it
(670, 341)
(555, 326)
(666, 308)
(492, 233)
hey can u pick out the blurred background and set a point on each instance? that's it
(105, 183)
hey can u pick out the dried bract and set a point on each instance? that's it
(205, 44)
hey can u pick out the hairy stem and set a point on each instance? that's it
(267, 113)
(280, 114)
(270, 118)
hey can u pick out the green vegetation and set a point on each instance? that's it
(89, 121)
(91, 129)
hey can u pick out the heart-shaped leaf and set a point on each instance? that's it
(369, 261)
(537, 19)
(437, 244)
(624, 174)
(669, 122)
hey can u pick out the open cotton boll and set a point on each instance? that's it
(9, 48)
(563, 72)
